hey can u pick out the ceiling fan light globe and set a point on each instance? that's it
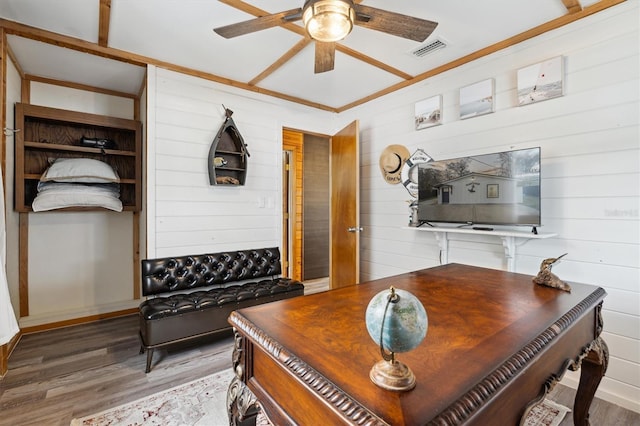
(328, 20)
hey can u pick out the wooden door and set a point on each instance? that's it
(344, 268)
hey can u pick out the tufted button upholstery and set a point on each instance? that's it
(228, 281)
(187, 302)
(188, 272)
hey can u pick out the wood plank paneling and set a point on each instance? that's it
(190, 216)
(203, 218)
(590, 170)
(293, 141)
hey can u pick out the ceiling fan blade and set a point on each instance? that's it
(257, 24)
(325, 56)
(394, 23)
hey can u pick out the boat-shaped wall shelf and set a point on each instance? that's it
(228, 155)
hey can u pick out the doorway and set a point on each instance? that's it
(321, 231)
(306, 206)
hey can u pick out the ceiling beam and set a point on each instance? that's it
(103, 23)
(281, 61)
(573, 6)
(44, 36)
(13, 58)
(369, 60)
(78, 86)
(79, 45)
(73, 43)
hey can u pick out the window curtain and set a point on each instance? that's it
(8, 323)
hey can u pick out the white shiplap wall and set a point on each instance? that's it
(590, 144)
(185, 214)
(590, 170)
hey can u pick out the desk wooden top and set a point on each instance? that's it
(484, 325)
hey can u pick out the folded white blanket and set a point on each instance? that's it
(56, 195)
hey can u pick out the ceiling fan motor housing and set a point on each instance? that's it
(328, 20)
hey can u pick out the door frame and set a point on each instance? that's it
(292, 141)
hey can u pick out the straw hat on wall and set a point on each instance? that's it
(392, 159)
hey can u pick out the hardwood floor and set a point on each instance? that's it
(58, 375)
(601, 412)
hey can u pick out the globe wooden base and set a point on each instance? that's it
(392, 375)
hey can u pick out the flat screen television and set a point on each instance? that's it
(501, 188)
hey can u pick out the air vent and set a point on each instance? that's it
(428, 48)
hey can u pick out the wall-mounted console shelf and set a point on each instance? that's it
(511, 240)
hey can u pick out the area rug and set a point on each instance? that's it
(547, 413)
(202, 402)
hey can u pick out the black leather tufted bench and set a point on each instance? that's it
(181, 311)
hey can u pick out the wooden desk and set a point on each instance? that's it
(496, 344)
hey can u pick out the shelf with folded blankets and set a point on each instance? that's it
(76, 161)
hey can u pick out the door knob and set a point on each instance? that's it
(355, 229)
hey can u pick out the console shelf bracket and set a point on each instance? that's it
(511, 240)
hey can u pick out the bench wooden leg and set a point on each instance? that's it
(149, 357)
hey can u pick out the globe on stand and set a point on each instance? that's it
(397, 321)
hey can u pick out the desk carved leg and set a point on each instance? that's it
(241, 403)
(592, 363)
(593, 367)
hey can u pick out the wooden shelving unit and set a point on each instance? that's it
(49, 133)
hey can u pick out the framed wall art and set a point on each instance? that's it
(428, 112)
(541, 81)
(477, 99)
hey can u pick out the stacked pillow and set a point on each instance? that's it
(78, 182)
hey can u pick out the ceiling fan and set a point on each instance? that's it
(328, 21)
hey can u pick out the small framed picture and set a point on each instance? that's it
(477, 99)
(493, 190)
(541, 81)
(428, 112)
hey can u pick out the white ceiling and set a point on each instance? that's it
(179, 32)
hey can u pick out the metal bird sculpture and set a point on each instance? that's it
(547, 278)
